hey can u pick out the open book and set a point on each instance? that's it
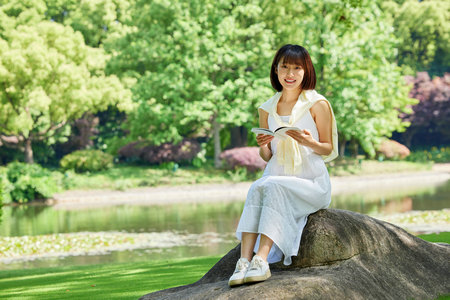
(279, 132)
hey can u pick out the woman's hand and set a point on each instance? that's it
(303, 137)
(264, 139)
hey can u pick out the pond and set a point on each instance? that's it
(217, 218)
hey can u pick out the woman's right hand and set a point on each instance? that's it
(264, 139)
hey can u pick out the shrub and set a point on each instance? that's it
(392, 150)
(87, 161)
(30, 181)
(185, 151)
(5, 187)
(438, 155)
(247, 157)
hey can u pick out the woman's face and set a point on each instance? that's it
(290, 75)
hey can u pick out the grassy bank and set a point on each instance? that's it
(123, 177)
(106, 281)
(114, 281)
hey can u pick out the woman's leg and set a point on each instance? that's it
(248, 241)
(265, 243)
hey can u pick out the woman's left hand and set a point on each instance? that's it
(303, 137)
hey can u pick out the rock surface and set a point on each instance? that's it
(343, 255)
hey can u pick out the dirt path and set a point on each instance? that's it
(201, 193)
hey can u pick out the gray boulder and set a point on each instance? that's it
(343, 255)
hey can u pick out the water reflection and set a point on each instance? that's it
(396, 201)
(194, 218)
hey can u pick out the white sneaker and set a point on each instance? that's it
(258, 271)
(239, 273)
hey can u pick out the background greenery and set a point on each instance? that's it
(151, 75)
(162, 71)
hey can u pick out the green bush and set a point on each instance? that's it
(87, 161)
(30, 181)
(5, 187)
(438, 155)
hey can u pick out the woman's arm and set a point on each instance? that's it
(321, 114)
(264, 140)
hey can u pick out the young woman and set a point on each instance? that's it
(295, 182)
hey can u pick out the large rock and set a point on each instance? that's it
(343, 255)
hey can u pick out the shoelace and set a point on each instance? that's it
(241, 265)
(256, 264)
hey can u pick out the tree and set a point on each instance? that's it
(423, 30)
(99, 21)
(429, 118)
(199, 65)
(353, 49)
(48, 77)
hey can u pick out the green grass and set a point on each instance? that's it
(350, 166)
(106, 281)
(122, 177)
(443, 237)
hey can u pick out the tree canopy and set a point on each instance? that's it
(423, 31)
(48, 76)
(354, 57)
(198, 65)
(191, 68)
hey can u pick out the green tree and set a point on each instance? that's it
(48, 76)
(99, 21)
(423, 32)
(199, 65)
(353, 49)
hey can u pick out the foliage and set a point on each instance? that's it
(87, 161)
(85, 243)
(48, 76)
(2, 192)
(423, 32)
(197, 64)
(352, 46)
(435, 154)
(99, 21)
(31, 181)
(246, 157)
(429, 118)
(5, 187)
(198, 67)
(416, 218)
(392, 150)
(185, 151)
(110, 136)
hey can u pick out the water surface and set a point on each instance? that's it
(189, 218)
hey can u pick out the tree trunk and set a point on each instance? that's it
(355, 148)
(216, 138)
(342, 147)
(238, 136)
(28, 151)
(407, 136)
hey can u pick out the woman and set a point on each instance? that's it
(295, 182)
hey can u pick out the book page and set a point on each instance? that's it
(262, 131)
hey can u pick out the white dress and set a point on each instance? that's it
(278, 205)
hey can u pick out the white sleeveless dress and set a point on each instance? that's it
(278, 205)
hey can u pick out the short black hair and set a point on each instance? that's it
(294, 54)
